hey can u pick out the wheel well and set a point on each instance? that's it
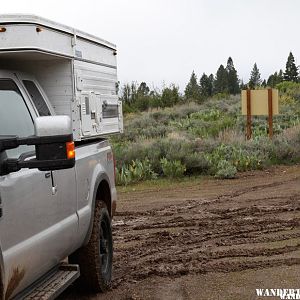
(103, 194)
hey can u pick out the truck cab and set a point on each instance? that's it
(35, 204)
(57, 185)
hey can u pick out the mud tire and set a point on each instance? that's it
(95, 259)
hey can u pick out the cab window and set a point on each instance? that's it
(37, 98)
(15, 118)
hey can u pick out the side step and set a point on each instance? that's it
(55, 284)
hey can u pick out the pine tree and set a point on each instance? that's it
(126, 93)
(232, 78)
(280, 76)
(133, 92)
(271, 80)
(291, 71)
(206, 86)
(192, 90)
(243, 86)
(275, 78)
(143, 89)
(211, 82)
(142, 97)
(254, 77)
(170, 96)
(221, 82)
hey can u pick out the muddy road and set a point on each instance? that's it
(207, 239)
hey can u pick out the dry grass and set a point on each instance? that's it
(229, 136)
(292, 133)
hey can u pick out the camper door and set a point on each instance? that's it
(89, 124)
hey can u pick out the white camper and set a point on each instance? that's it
(74, 71)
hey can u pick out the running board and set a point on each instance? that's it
(52, 286)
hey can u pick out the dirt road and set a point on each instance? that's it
(207, 239)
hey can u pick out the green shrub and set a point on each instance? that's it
(152, 132)
(197, 163)
(135, 172)
(171, 149)
(207, 115)
(143, 126)
(221, 96)
(285, 147)
(225, 170)
(154, 150)
(128, 109)
(183, 111)
(161, 116)
(239, 156)
(126, 152)
(204, 123)
(207, 145)
(172, 169)
(207, 138)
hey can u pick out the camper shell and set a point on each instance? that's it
(76, 72)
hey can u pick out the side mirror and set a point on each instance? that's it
(53, 142)
(57, 147)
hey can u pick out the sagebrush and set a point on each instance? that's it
(206, 139)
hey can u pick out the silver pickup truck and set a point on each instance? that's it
(57, 199)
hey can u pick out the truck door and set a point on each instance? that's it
(62, 180)
(32, 236)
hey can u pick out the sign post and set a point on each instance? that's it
(270, 115)
(249, 124)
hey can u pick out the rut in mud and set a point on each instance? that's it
(254, 226)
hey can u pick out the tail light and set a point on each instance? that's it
(70, 150)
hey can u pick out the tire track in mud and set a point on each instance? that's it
(200, 235)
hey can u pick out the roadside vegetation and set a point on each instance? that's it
(172, 136)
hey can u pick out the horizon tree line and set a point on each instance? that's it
(139, 97)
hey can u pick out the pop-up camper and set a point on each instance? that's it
(75, 72)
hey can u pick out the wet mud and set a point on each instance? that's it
(250, 223)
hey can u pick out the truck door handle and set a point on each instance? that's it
(54, 186)
(54, 190)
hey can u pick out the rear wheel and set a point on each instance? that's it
(95, 259)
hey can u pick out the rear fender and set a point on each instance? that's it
(100, 177)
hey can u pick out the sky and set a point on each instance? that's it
(163, 41)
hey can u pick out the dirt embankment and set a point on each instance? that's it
(170, 242)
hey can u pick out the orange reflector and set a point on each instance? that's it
(2, 29)
(70, 150)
